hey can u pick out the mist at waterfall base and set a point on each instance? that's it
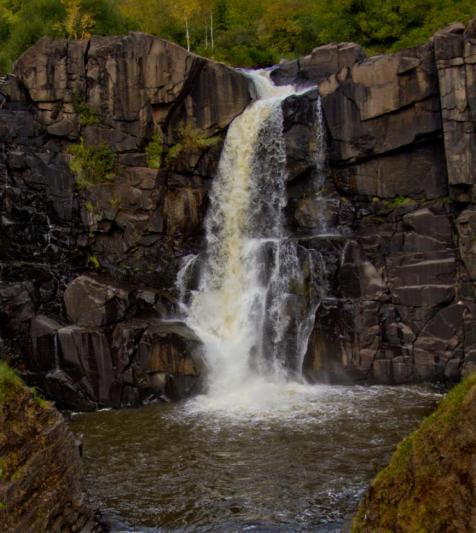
(260, 449)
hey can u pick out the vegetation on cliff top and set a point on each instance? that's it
(10, 383)
(428, 483)
(241, 32)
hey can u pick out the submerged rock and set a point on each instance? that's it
(430, 483)
(40, 467)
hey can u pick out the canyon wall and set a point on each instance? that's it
(399, 305)
(87, 273)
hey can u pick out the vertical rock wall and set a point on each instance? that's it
(399, 279)
(98, 339)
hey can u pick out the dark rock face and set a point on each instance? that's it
(91, 341)
(41, 488)
(118, 351)
(400, 303)
(318, 65)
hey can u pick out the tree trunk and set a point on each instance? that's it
(187, 34)
(212, 41)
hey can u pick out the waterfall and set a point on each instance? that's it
(254, 305)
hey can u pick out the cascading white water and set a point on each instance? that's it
(246, 309)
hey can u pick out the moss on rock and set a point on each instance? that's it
(430, 482)
(40, 468)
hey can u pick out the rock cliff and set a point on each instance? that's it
(430, 482)
(88, 266)
(101, 341)
(40, 467)
(400, 305)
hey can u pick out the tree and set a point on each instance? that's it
(77, 24)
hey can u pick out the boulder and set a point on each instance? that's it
(90, 302)
(429, 482)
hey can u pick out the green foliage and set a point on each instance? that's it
(9, 381)
(398, 201)
(115, 202)
(92, 165)
(259, 32)
(88, 116)
(190, 139)
(9, 384)
(38, 398)
(154, 151)
(89, 206)
(94, 262)
(245, 33)
(23, 22)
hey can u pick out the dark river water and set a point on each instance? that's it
(297, 465)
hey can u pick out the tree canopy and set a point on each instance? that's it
(245, 33)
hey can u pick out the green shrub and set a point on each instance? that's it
(398, 201)
(92, 165)
(88, 116)
(190, 139)
(94, 262)
(154, 151)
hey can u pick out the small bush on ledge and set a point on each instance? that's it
(190, 139)
(92, 165)
(154, 151)
(88, 116)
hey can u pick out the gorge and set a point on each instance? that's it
(268, 246)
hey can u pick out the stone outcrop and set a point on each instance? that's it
(430, 482)
(40, 467)
(322, 62)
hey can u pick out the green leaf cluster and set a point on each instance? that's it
(190, 139)
(23, 22)
(92, 165)
(244, 33)
(154, 151)
(88, 116)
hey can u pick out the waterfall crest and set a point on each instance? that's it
(248, 308)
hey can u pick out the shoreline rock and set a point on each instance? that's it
(430, 482)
